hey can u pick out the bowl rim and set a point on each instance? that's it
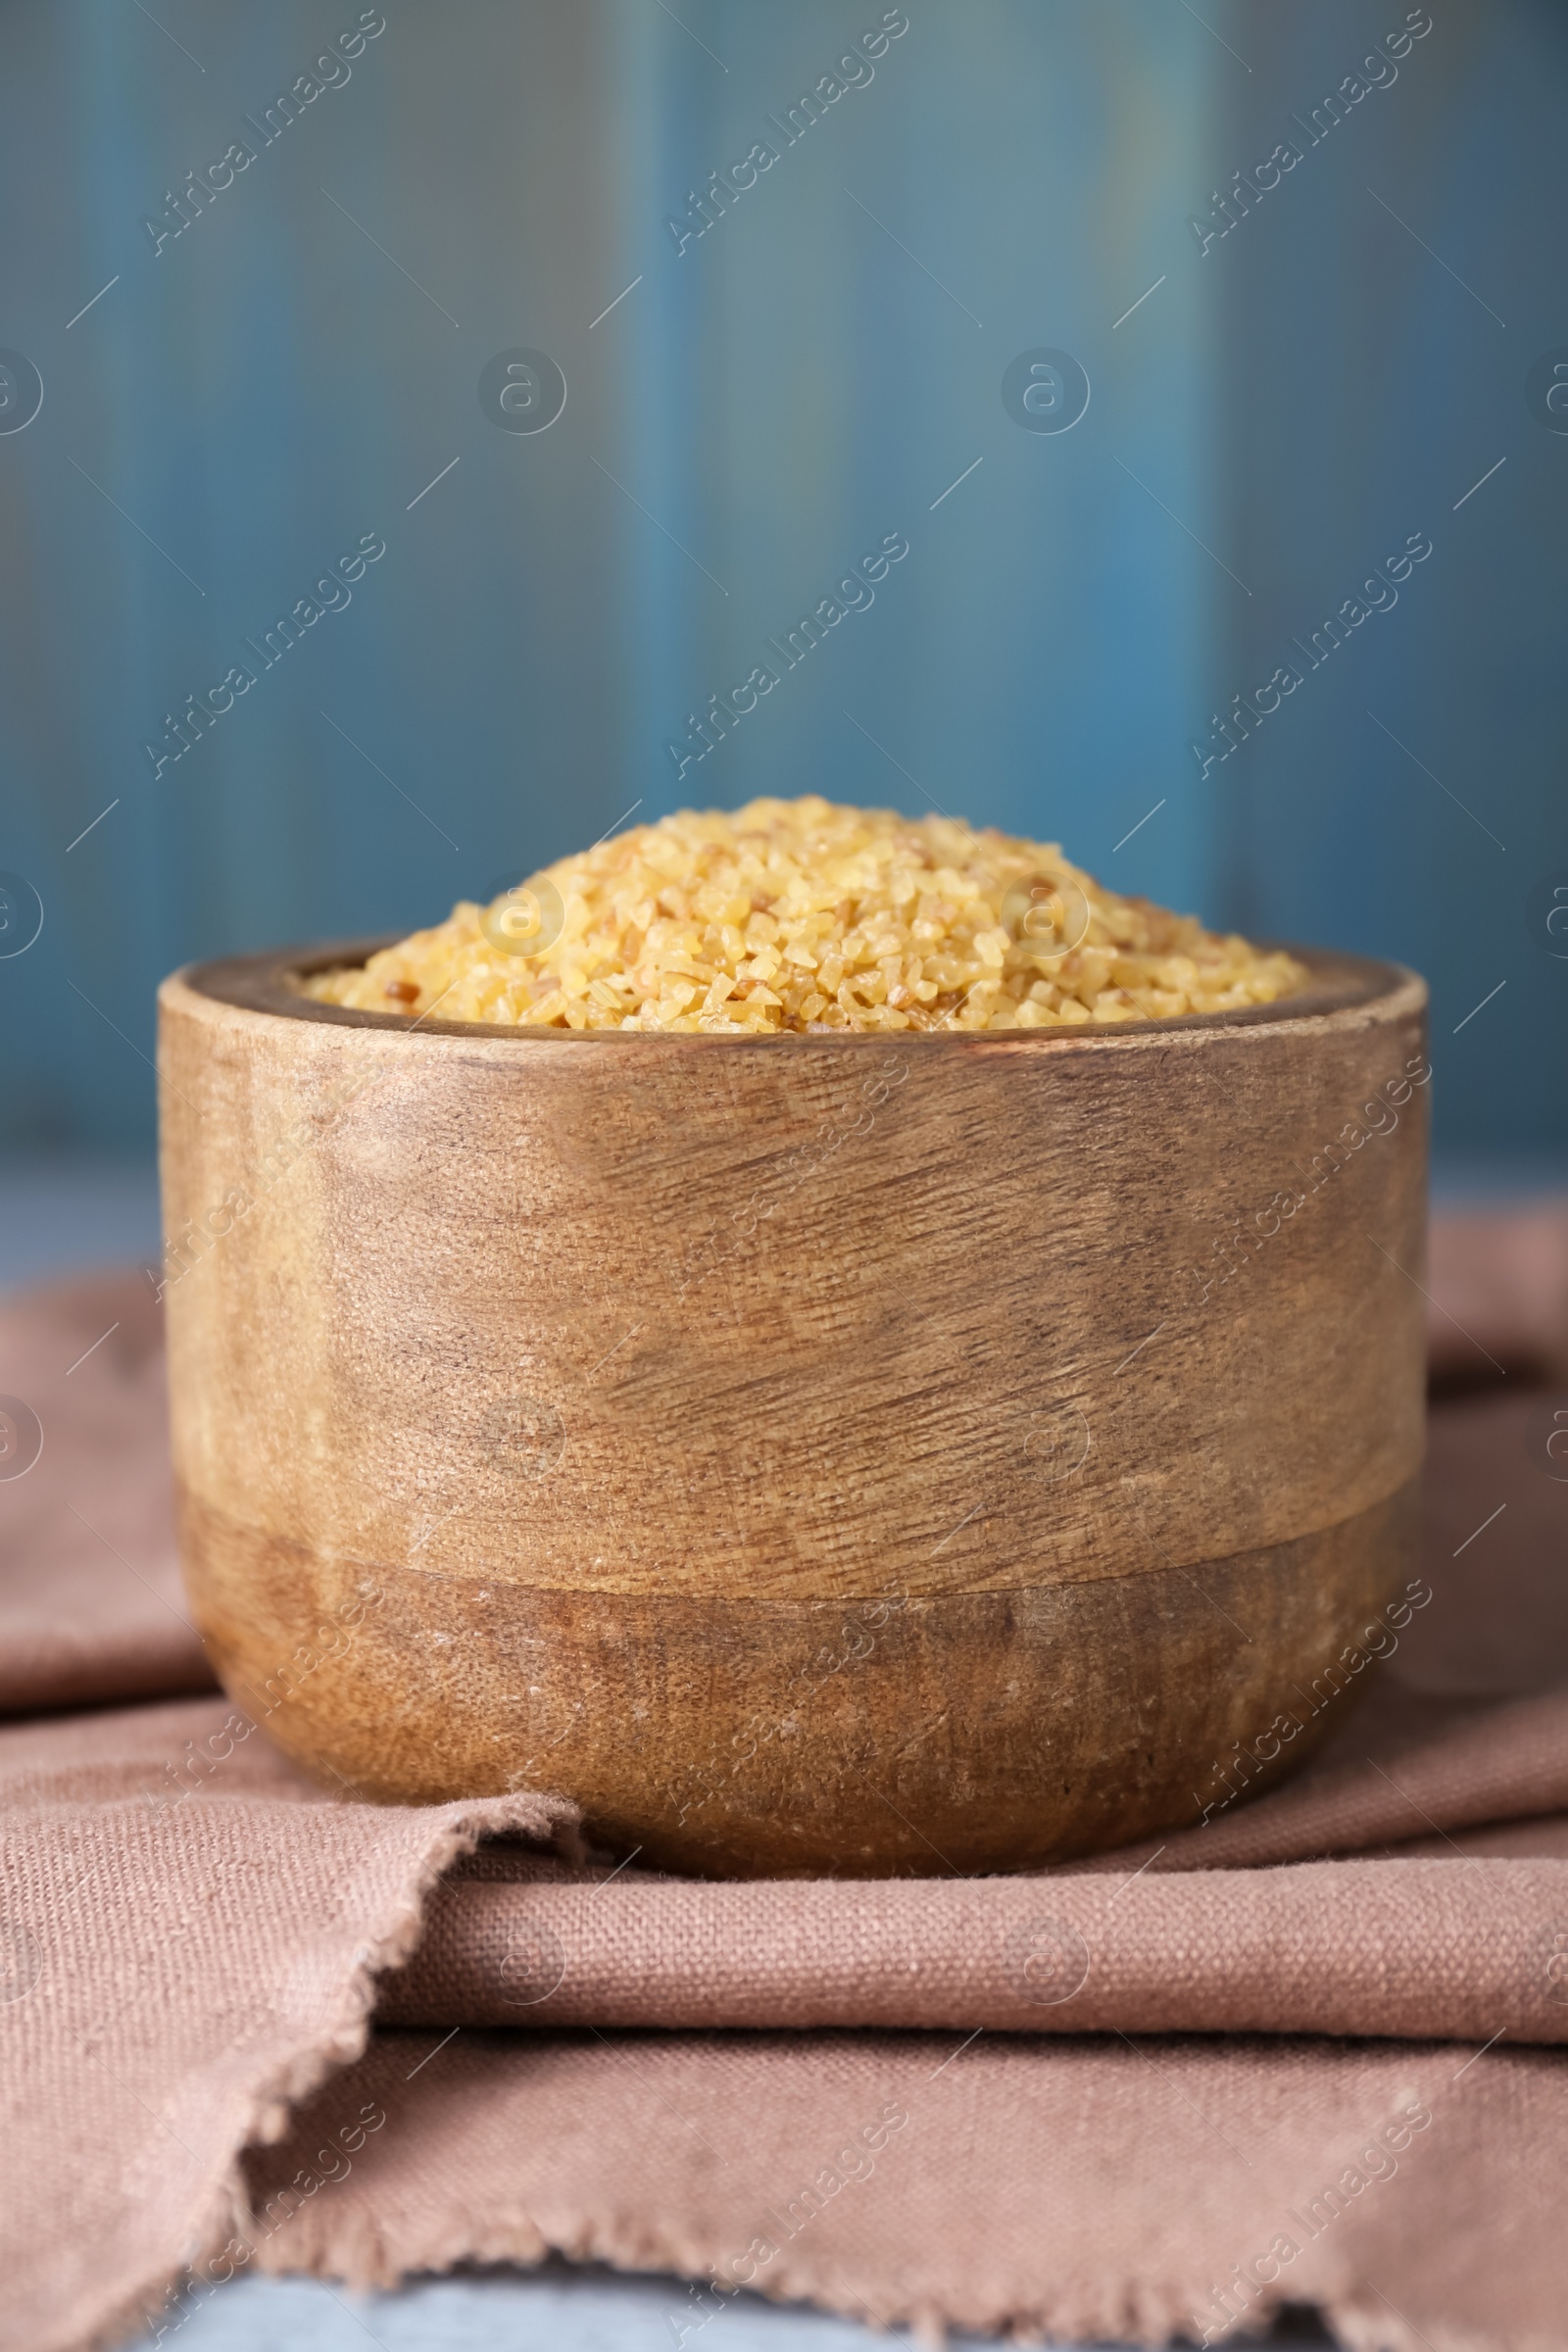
(264, 983)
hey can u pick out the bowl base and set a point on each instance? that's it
(964, 1733)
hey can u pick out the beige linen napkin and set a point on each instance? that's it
(90, 1600)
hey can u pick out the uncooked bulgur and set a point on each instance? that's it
(801, 915)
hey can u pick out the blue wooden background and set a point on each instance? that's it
(1291, 399)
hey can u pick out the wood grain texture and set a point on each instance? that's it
(626, 1371)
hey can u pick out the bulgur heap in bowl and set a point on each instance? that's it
(801, 915)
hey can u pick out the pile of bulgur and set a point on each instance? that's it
(803, 916)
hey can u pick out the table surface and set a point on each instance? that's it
(70, 1216)
(558, 2309)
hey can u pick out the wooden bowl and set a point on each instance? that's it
(815, 1454)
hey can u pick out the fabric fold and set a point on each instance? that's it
(1412, 1950)
(1088, 2189)
(91, 1606)
(177, 1968)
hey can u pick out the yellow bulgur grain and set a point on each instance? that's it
(803, 916)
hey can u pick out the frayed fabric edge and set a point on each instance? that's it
(356, 2252)
(224, 2216)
